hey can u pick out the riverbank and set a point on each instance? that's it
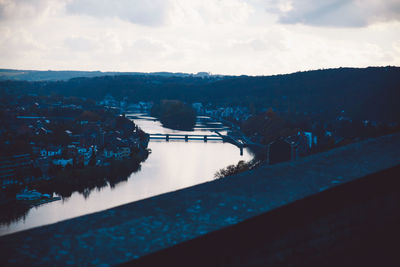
(84, 180)
(66, 182)
(85, 177)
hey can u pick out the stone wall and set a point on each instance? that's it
(356, 224)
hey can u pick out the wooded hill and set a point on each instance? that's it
(368, 93)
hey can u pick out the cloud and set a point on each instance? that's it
(149, 13)
(334, 13)
(28, 9)
(210, 11)
(271, 41)
(221, 36)
(79, 44)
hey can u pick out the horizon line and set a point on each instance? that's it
(192, 73)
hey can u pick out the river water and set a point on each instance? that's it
(171, 166)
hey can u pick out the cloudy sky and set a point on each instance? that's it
(219, 36)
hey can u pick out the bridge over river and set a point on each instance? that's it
(201, 137)
(186, 137)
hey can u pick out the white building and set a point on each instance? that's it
(50, 152)
(309, 137)
(62, 162)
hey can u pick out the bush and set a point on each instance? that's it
(232, 169)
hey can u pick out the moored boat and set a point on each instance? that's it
(28, 195)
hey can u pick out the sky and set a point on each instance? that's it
(252, 37)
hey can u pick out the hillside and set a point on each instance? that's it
(64, 75)
(368, 93)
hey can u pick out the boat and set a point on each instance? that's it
(28, 195)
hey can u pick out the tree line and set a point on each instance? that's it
(366, 93)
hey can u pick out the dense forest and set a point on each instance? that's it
(367, 93)
(175, 114)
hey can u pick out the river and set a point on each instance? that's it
(171, 166)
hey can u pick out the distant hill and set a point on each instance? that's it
(362, 93)
(50, 75)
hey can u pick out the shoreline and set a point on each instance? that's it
(38, 202)
(66, 182)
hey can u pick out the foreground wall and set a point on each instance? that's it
(339, 208)
(356, 224)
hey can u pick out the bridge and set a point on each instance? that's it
(205, 137)
(186, 137)
(201, 137)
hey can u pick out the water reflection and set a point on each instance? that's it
(204, 125)
(171, 166)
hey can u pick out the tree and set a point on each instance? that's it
(175, 114)
(232, 169)
(54, 169)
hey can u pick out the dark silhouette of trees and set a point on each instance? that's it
(89, 116)
(367, 93)
(241, 166)
(175, 114)
(268, 126)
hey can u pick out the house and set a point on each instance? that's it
(134, 107)
(309, 137)
(43, 130)
(109, 153)
(145, 105)
(51, 151)
(63, 162)
(9, 165)
(109, 100)
(117, 152)
(279, 150)
(86, 153)
(123, 152)
(300, 144)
